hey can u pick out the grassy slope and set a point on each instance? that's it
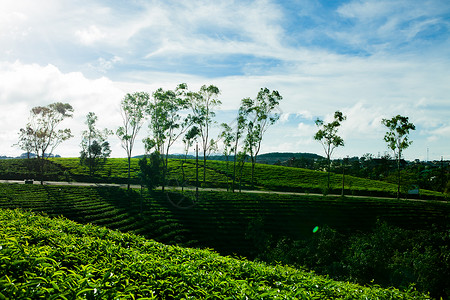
(43, 257)
(267, 177)
(218, 219)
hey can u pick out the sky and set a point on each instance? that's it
(369, 59)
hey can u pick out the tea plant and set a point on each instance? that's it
(57, 258)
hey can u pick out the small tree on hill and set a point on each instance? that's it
(228, 137)
(42, 134)
(202, 104)
(95, 148)
(166, 122)
(133, 108)
(150, 171)
(397, 139)
(260, 115)
(188, 140)
(239, 129)
(327, 136)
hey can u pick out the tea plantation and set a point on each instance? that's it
(218, 174)
(57, 258)
(273, 227)
(217, 219)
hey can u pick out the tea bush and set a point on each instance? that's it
(57, 258)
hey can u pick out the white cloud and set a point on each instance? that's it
(24, 86)
(365, 10)
(92, 54)
(90, 35)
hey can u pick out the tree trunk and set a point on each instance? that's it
(398, 173)
(234, 172)
(129, 172)
(165, 162)
(253, 170)
(328, 173)
(204, 167)
(226, 172)
(234, 164)
(196, 173)
(41, 169)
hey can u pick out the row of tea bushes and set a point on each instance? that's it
(57, 258)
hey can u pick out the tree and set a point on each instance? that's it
(25, 142)
(397, 139)
(133, 108)
(95, 148)
(259, 114)
(188, 141)
(238, 133)
(42, 134)
(228, 138)
(202, 104)
(150, 171)
(327, 136)
(166, 123)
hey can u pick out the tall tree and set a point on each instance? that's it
(25, 140)
(397, 138)
(260, 115)
(203, 104)
(228, 137)
(95, 148)
(42, 134)
(166, 122)
(133, 108)
(232, 136)
(327, 136)
(188, 140)
(150, 171)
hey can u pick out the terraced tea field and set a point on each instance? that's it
(57, 258)
(267, 177)
(218, 219)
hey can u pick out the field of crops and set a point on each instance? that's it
(218, 174)
(111, 207)
(218, 219)
(57, 258)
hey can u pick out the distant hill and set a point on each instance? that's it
(273, 157)
(31, 155)
(267, 158)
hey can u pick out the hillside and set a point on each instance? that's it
(43, 257)
(251, 224)
(218, 219)
(265, 158)
(219, 174)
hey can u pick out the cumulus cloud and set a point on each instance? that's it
(369, 59)
(90, 35)
(24, 86)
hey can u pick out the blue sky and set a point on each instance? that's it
(369, 59)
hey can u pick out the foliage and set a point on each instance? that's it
(150, 172)
(387, 255)
(202, 104)
(42, 134)
(268, 177)
(327, 136)
(133, 107)
(259, 116)
(397, 138)
(228, 139)
(166, 124)
(95, 148)
(48, 258)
